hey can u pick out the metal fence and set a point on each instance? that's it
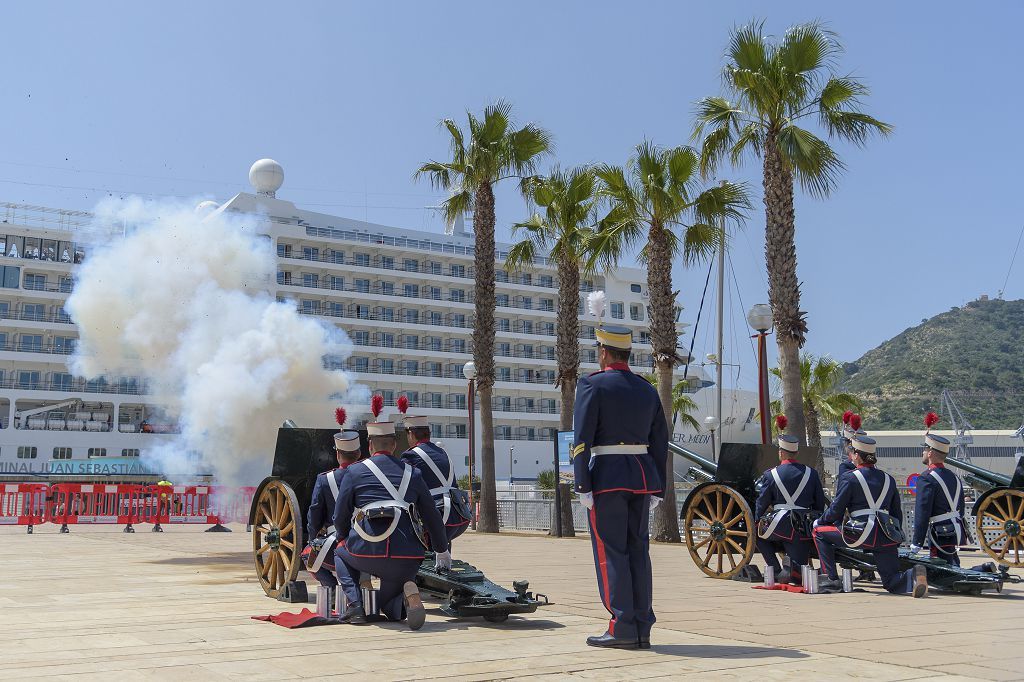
(533, 509)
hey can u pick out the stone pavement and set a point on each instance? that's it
(99, 604)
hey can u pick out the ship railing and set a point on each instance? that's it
(74, 386)
(57, 318)
(43, 217)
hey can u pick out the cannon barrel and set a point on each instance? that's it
(705, 465)
(990, 478)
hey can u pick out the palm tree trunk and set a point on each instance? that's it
(665, 527)
(483, 349)
(814, 436)
(783, 285)
(568, 345)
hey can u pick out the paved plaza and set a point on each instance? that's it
(100, 604)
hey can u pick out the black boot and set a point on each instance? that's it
(609, 641)
(643, 642)
(354, 615)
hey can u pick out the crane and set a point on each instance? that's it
(960, 425)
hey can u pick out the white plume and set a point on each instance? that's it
(596, 302)
(181, 300)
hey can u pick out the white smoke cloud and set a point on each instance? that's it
(180, 299)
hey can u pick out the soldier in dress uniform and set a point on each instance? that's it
(374, 514)
(320, 516)
(435, 466)
(619, 456)
(939, 504)
(851, 428)
(873, 502)
(790, 494)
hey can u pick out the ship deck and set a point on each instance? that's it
(99, 604)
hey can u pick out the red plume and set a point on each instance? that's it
(931, 419)
(376, 404)
(846, 416)
(340, 416)
(855, 421)
(403, 404)
(781, 422)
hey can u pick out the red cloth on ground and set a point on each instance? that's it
(302, 619)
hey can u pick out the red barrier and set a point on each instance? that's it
(184, 504)
(23, 504)
(88, 503)
(233, 504)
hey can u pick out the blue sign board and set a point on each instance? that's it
(564, 451)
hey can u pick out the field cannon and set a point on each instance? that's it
(998, 510)
(719, 526)
(278, 516)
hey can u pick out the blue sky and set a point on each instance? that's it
(179, 99)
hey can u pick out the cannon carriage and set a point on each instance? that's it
(719, 527)
(278, 515)
(998, 511)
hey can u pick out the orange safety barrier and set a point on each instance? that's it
(184, 504)
(233, 504)
(23, 504)
(88, 503)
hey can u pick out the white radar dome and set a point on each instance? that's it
(206, 207)
(266, 177)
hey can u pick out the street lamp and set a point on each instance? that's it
(511, 450)
(469, 371)
(760, 318)
(711, 423)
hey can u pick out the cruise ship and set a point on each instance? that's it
(404, 297)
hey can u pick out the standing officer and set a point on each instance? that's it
(435, 466)
(939, 506)
(790, 493)
(374, 515)
(871, 498)
(619, 456)
(851, 428)
(321, 510)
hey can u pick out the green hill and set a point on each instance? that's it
(976, 351)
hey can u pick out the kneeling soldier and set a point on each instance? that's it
(376, 514)
(871, 498)
(791, 494)
(939, 504)
(320, 516)
(438, 473)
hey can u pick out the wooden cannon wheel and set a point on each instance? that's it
(999, 520)
(719, 529)
(276, 537)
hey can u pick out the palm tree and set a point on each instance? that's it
(683, 406)
(822, 401)
(569, 200)
(490, 150)
(655, 201)
(777, 87)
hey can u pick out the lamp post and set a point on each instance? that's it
(711, 423)
(511, 450)
(760, 318)
(469, 371)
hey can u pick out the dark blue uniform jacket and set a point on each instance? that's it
(321, 509)
(616, 407)
(931, 501)
(850, 498)
(440, 459)
(791, 472)
(361, 487)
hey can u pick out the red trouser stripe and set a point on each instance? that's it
(602, 569)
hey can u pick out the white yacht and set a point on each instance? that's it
(404, 297)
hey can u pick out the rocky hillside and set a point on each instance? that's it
(976, 351)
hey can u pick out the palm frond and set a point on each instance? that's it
(854, 126)
(808, 47)
(812, 159)
(457, 205)
(520, 255)
(748, 48)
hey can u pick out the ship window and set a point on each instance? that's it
(501, 299)
(433, 267)
(35, 282)
(458, 296)
(97, 452)
(387, 314)
(11, 277)
(411, 265)
(635, 288)
(310, 280)
(387, 262)
(5, 309)
(458, 270)
(62, 453)
(284, 250)
(361, 338)
(362, 259)
(503, 325)
(411, 290)
(546, 281)
(31, 248)
(130, 452)
(27, 452)
(335, 256)
(310, 253)
(284, 278)
(363, 286)
(636, 312)
(28, 379)
(336, 283)
(387, 288)
(335, 309)
(64, 284)
(617, 311)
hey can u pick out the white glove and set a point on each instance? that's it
(655, 501)
(914, 549)
(816, 523)
(443, 561)
(587, 500)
